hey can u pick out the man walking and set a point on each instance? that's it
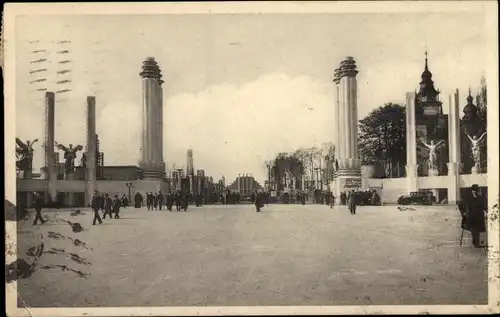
(473, 210)
(351, 202)
(258, 201)
(159, 199)
(38, 209)
(108, 207)
(96, 205)
(116, 207)
(170, 201)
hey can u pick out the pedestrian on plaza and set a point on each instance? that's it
(108, 207)
(169, 201)
(38, 204)
(178, 200)
(332, 200)
(473, 210)
(137, 200)
(342, 198)
(185, 201)
(351, 202)
(96, 205)
(159, 200)
(149, 201)
(258, 202)
(116, 206)
(124, 201)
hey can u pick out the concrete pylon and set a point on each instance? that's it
(50, 168)
(349, 173)
(90, 174)
(151, 161)
(411, 143)
(454, 164)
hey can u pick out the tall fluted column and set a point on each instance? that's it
(91, 149)
(336, 123)
(411, 143)
(50, 170)
(151, 161)
(349, 173)
(454, 164)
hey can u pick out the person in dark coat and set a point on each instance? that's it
(185, 201)
(170, 201)
(351, 202)
(116, 206)
(38, 204)
(343, 198)
(258, 202)
(149, 200)
(178, 201)
(159, 200)
(472, 209)
(138, 200)
(332, 200)
(108, 207)
(124, 201)
(96, 205)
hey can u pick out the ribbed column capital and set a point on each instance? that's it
(348, 68)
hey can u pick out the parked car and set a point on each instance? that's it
(416, 198)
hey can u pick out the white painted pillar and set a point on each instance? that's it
(454, 164)
(91, 149)
(411, 143)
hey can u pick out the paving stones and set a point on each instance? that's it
(284, 255)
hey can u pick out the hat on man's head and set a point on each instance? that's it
(474, 187)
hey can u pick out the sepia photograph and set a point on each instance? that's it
(251, 158)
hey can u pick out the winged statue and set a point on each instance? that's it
(24, 154)
(69, 155)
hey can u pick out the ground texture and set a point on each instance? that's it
(231, 255)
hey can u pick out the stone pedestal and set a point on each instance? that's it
(432, 172)
(70, 196)
(475, 170)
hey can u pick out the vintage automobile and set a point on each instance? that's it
(416, 198)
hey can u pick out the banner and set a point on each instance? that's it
(352, 183)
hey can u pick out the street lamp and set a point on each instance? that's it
(129, 185)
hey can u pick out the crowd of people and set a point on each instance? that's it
(109, 205)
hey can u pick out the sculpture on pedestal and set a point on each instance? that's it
(432, 154)
(69, 156)
(24, 155)
(476, 151)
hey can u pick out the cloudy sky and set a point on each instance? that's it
(239, 88)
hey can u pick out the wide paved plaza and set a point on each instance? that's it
(231, 255)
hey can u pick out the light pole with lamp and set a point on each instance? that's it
(129, 185)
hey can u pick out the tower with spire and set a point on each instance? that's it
(432, 124)
(428, 96)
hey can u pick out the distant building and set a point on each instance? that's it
(245, 184)
(190, 164)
